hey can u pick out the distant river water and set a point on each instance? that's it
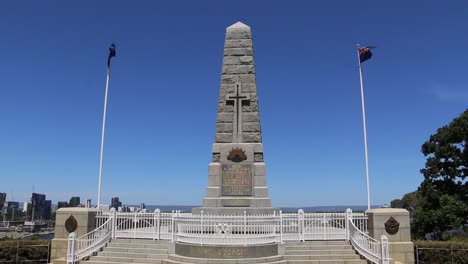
(48, 236)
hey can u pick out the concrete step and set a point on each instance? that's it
(319, 252)
(134, 255)
(324, 242)
(183, 259)
(322, 257)
(319, 247)
(116, 243)
(111, 248)
(124, 259)
(108, 262)
(328, 261)
(140, 241)
(167, 261)
(178, 262)
(217, 261)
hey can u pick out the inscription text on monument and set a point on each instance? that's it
(236, 179)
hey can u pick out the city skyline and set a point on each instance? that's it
(164, 88)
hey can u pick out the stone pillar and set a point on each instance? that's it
(237, 174)
(73, 219)
(395, 224)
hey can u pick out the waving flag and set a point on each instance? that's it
(112, 53)
(365, 54)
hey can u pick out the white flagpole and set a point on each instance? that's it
(102, 137)
(364, 128)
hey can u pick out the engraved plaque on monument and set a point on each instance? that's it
(236, 180)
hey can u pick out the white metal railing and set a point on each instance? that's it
(244, 229)
(226, 229)
(84, 246)
(235, 230)
(370, 248)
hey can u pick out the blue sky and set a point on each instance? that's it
(164, 89)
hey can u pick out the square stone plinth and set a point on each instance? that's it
(400, 246)
(85, 222)
(379, 216)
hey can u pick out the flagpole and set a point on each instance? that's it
(364, 128)
(102, 137)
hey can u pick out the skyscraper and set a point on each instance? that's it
(116, 203)
(2, 199)
(74, 201)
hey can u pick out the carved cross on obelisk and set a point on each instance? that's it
(237, 97)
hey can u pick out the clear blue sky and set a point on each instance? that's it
(164, 89)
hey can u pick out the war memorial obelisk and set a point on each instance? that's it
(237, 178)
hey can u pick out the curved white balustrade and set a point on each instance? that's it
(235, 230)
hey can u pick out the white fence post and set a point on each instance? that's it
(71, 249)
(134, 225)
(114, 223)
(245, 228)
(201, 227)
(281, 226)
(173, 226)
(300, 224)
(157, 216)
(348, 217)
(275, 225)
(384, 249)
(324, 226)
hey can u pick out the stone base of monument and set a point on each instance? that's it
(226, 252)
(236, 210)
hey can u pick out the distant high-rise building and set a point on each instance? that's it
(47, 211)
(41, 208)
(27, 207)
(2, 199)
(62, 205)
(88, 203)
(11, 207)
(116, 203)
(11, 204)
(74, 201)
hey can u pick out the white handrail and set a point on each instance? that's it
(85, 245)
(235, 230)
(240, 229)
(368, 247)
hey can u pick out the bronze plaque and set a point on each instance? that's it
(236, 179)
(237, 155)
(71, 224)
(392, 226)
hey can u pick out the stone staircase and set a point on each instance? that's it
(138, 251)
(323, 252)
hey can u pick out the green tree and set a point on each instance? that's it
(442, 198)
(396, 203)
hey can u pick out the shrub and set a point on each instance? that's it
(25, 250)
(440, 252)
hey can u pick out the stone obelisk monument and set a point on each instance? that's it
(237, 178)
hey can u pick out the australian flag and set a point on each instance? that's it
(365, 53)
(112, 53)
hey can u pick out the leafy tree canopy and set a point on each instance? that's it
(446, 167)
(441, 202)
